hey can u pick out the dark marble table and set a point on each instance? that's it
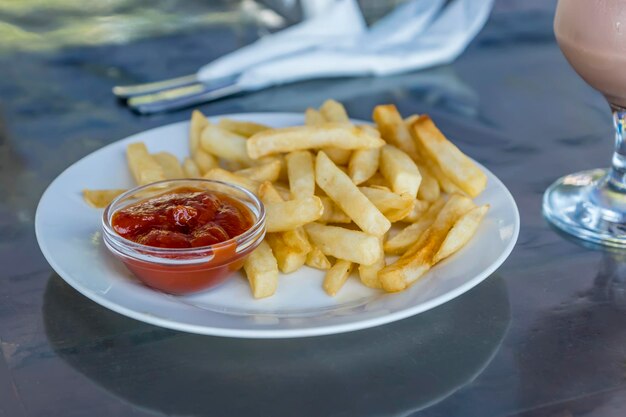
(545, 336)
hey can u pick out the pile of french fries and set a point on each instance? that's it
(338, 196)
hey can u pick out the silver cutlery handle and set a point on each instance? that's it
(127, 91)
(180, 98)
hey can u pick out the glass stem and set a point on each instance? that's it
(617, 175)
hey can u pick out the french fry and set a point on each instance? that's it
(295, 240)
(334, 112)
(462, 231)
(241, 128)
(337, 276)
(288, 258)
(393, 129)
(408, 121)
(369, 273)
(224, 144)
(313, 117)
(196, 126)
(262, 271)
(204, 160)
(268, 193)
(419, 208)
(289, 139)
(429, 187)
(340, 188)
(400, 171)
(363, 165)
(454, 163)
(376, 180)
(392, 205)
(332, 213)
(316, 259)
(288, 215)
(264, 172)
(101, 198)
(190, 169)
(301, 174)
(351, 245)
(170, 165)
(338, 156)
(419, 258)
(399, 243)
(219, 174)
(143, 166)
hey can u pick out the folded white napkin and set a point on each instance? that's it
(416, 35)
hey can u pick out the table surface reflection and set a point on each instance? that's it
(544, 336)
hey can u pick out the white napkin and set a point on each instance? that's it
(416, 35)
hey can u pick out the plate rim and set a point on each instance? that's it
(270, 333)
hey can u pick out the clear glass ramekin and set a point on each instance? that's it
(184, 270)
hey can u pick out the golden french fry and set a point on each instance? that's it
(399, 243)
(297, 138)
(338, 156)
(219, 174)
(262, 271)
(444, 182)
(419, 258)
(400, 171)
(334, 112)
(288, 215)
(340, 188)
(268, 193)
(316, 259)
(298, 239)
(293, 245)
(224, 144)
(376, 180)
(351, 245)
(190, 169)
(204, 160)
(393, 129)
(337, 276)
(332, 213)
(264, 172)
(408, 121)
(242, 128)
(313, 117)
(462, 231)
(419, 208)
(454, 163)
(143, 166)
(301, 174)
(392, 205)
(289, 259)
(363, 165)
(369, 273)
(100, 198)
(170, 165)
(196, 126)
(429, 187)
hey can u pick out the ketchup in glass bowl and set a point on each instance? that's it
(183, 236)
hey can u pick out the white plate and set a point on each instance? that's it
(68, 232)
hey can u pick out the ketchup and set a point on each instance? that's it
(185, 217)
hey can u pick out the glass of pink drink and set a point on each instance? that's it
(592, 204)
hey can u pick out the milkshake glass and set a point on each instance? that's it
(591, 205)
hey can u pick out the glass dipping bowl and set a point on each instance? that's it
(184, 270)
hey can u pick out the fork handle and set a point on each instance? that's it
(156, 104)
(127, 91)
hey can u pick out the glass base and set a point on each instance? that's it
(588, 206)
